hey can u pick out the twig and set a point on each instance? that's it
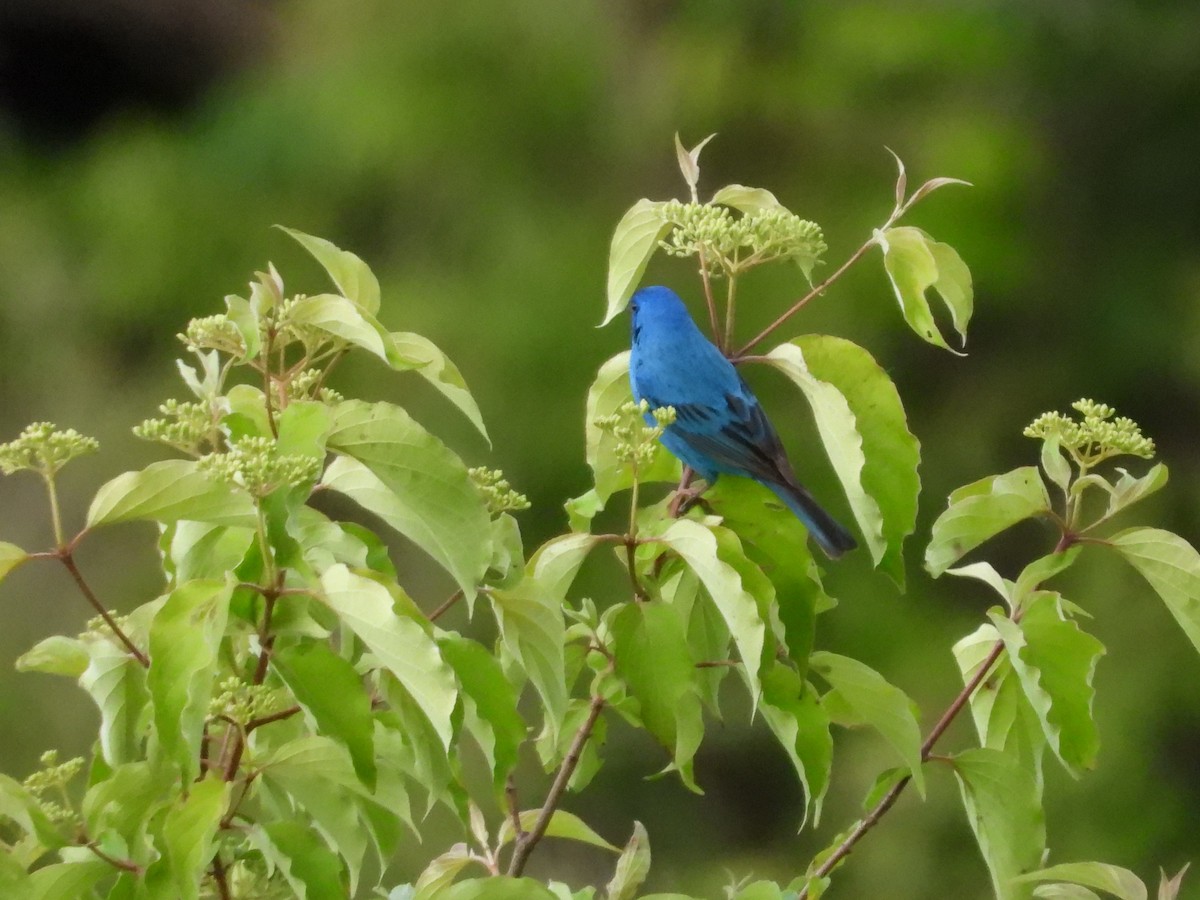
(68, 560)
(524, 844)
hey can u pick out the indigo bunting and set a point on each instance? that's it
(719, 427)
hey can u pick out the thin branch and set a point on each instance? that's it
(68, 560)
(799, 304)
(524, 845)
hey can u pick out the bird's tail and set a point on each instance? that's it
(829, 535)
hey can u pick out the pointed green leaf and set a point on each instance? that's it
(562, 825)
(1004, 811)
(697, 546)
(11, 556)
(306, 863)
(1121, 883)
(914, 263)
(865, 432)
(981, 510)
(633, 243)
(650, 649)
(491, 702)
(185, 637)
(1172, 566)
(167, 491)
(533, 631)
(400, 644)
(877, 702)
(186, 841)
(795, 716)
(436, 368)
(746, 199)
(632, 867)
(399, 471)
(352, 276)
(1056, 662)
(607, 394)
(328, 689)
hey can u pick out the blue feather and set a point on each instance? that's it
(719, 426)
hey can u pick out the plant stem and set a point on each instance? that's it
(524, 844)
(799, 304)
(68, 560)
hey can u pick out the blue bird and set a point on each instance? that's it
(719, 427)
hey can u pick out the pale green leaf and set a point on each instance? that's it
(1119, 882)
(167, 491)
(352, 276)
(186, 841)
(915, 263)
(633, 243)
(11, 556)
(746, 199)
(878, 703)
(436, 368)
(55, 655)
(981, 510)
(328, 689)
(401, 645)
(632, 867)
(1003, 808)
(1172, 566)
(608, 393)
(563, 824)
(649, 645)
(185, 637)
(863, 426)
(399, 471)
(792, 710)
(1056, 662)
(697, 547)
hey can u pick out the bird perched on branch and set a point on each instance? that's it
(719, 427)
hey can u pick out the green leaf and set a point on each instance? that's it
(1001, 800)
(649, 646)
(1121, 883)
(633, 243)
(402, 646)
(914, 263)
(795, 716)
(186, 841)
(55, 655)
(436, 368)
(697, 547)
(116, 682)
(877, 702)
(396, 469)
(746, 199)
(11, 556)
(67, 881)
(185, 637)
(562, 825)
(490, 700)
(167, 491)
(1172, 567)
(309, 867)
(329, 690)
(1056, 662)
(863, 426)
(352, 276)
(632, 867)
(607, 394)
(981, 510)
(531, 625)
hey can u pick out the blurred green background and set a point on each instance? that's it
(478, 154)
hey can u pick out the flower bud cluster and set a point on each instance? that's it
(43, 448)
(1099, 436)
(496, 490)
(255, 463)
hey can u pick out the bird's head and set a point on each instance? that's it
(660, 308)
